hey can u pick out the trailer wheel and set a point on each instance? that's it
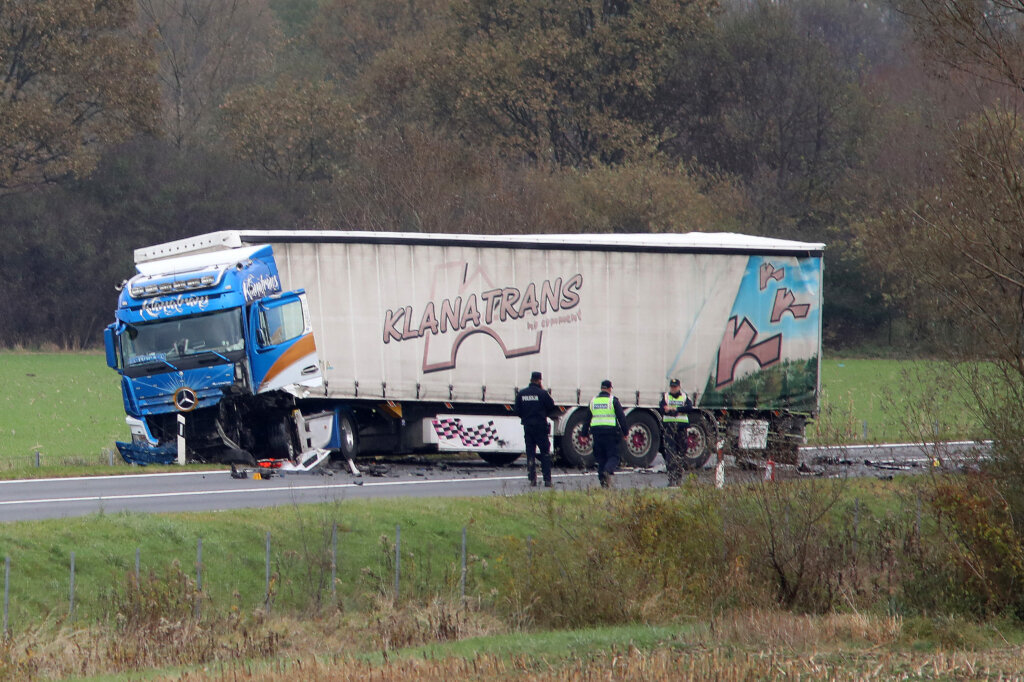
(574, 450)
(700, 439)
(643, 439)
(500, 459)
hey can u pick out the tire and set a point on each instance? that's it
(348, 437)
(573, 450)
(279, 441)
(643, 439)
(700, 441)
(238, 456)
(500, 459)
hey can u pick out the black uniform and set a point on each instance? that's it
(607, 441)
(533, 405)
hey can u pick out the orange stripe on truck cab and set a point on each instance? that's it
(298, 350)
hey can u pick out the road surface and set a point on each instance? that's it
(215, 490)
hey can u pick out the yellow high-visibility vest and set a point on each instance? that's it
(679, 404)
(602, 411)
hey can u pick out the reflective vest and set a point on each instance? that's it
(602, 412)
(678, 403)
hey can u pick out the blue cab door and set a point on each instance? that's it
(284, 350)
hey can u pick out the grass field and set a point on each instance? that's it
(67, 407)
(429, 633)
(878, 401)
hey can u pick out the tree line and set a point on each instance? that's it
(128, 122)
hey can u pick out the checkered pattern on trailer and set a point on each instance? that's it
(475, 436)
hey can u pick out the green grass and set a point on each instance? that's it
(556, 644)
(234, 549)
(234, 553)
(602, 530)
(67, 407)
(889, 401)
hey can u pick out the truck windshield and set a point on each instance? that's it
(219, 332)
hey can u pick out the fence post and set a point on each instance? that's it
(462, 582)
(7, 592)
(199, 574)
(917, 520)
(865, 424)
(71, 605)
(856, 525)
(37, 459)
(266, 601)
(137, 553)
(334, 562)
(529, 560)
(398, 558)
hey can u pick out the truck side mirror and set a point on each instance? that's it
(109, 341)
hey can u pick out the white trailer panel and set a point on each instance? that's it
(459, 318)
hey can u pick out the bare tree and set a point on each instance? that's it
(955, 246)
(205, 49)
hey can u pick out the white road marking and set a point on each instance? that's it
(876, 446)
(262, 490)
(59, 479)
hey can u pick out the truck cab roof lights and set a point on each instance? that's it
(140, 288)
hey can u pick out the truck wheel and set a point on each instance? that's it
(500, 459)
(238, 456)
(279, 442)
(643, 439)
(348, 437)
(574, 450)
(700, 439)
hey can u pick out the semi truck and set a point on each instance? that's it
(293, 348)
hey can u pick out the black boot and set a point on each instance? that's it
(533, 476)
(547, 482)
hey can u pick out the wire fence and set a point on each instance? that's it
(267, 599)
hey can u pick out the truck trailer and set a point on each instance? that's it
(292, 348)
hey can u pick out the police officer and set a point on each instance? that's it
(674, 407)
(608, 424)
(533, 405)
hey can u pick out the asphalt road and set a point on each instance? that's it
(215, 490)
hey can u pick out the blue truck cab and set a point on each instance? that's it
(213, 357)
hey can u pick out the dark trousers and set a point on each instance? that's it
(606, 451)
(536, 438)
(674, 448)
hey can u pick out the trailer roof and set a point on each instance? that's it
(726, 242)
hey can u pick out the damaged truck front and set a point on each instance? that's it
(213, 356)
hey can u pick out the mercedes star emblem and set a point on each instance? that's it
(185, 399)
